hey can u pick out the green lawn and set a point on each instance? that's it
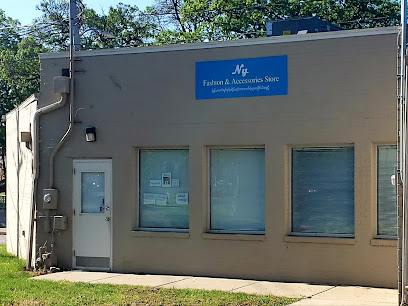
(16, 288)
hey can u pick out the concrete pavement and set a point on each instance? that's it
(315, 294)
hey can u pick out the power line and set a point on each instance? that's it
(219, 11)
(32, 25)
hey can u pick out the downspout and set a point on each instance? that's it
(36, 171)
(398, 181)
(72, 33)
(18, 181)
(402, 210)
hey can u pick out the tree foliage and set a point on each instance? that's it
(127, 23)
(19, 71)
(231, 19)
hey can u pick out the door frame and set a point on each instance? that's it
(110, 184)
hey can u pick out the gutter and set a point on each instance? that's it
(36, 169)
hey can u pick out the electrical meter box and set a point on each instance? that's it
(50, 199)
(25, 137)
(60, 223)
(61, 84)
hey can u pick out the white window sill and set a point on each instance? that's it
(160, 234)
(378, 241)
(319, 240)
(231, 236)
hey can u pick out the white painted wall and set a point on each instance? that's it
(19, 177)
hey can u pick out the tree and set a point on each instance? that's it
(19, 72)
(167, 15)
(127, 23)
(52, 28)
(231, 19)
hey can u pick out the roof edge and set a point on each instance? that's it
(29, 100)
(231, 43)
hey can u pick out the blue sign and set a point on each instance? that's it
(251, 77)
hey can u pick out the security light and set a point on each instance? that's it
(90, 134)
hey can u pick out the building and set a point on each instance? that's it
(260, 159)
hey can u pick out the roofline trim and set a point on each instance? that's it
(231, 43)
(28, 101)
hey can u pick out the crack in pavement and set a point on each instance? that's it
(174, 281)
(243, 286)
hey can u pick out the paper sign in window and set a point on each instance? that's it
(149, 198)
(182, 198)
(166, 179)
(161, 199)
(155, 183)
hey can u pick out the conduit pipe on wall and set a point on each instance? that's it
(400, 162)
(73, 39)
(61, 142)
(36, 169)
(398, 174)
(73, 31)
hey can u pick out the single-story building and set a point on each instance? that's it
(265, 159)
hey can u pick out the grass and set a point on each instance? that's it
(16, 288)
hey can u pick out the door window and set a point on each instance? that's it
(93, 192)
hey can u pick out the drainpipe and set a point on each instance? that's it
(18, 181)
(398, 181)
(402, 163)
(74, 45)
(36, 171)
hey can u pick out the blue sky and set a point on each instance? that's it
(25, 12)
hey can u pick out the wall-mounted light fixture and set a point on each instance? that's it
(90, 134)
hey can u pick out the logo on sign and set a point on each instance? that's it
(239, 69)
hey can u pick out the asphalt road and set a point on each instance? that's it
(3, 239)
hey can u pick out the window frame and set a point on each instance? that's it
(137, 230)
(375, 178)
(208, 230)
(292, 233)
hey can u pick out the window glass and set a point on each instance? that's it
(323, 190)
(386, 194)
(237, 189)
(93, 192)
(164, 189)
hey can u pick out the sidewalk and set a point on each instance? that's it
(316, 294)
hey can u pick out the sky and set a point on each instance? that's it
(25, 11)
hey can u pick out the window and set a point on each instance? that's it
(386, 194)
(323, 191)
(237, 195)
(163, 189)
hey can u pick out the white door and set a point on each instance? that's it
(92, 219)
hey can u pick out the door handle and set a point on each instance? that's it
(107, 218)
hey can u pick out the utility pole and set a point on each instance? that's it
(401, 177)
(74, 26)
(74, 45)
